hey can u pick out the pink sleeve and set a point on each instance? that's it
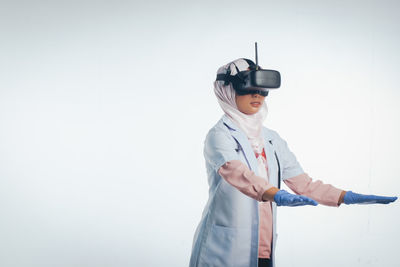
(325, 194)
(237, 174)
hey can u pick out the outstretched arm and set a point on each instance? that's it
(329, 195)
(299, 181)
(246, 181)
(325, 194)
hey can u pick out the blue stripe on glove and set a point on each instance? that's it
(283, 198)
(354, 198)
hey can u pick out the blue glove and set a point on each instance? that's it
(354, 198)
(283, 198)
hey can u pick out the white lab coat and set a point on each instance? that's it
(227, 234)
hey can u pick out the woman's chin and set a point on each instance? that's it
(251, 111)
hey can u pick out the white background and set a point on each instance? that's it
(104, 107)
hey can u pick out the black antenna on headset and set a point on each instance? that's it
(256, 57)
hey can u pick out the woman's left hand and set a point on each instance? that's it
(354, 198)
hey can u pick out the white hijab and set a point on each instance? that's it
(251, 125)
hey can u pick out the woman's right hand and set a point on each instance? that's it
(284, 198)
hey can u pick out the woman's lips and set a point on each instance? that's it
(255, 104)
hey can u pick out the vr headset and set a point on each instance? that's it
(252, 81)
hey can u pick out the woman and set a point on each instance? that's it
(245, 163)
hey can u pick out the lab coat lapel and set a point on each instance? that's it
(244, 143)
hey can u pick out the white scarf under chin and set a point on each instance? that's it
(251, 125)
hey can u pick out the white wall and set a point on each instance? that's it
(104, 106)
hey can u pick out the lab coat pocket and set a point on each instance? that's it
(227, 246)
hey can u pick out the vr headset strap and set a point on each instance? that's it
(228, 78)
(234, 79)
(251, 64)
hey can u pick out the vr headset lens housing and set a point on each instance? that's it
(255, 81)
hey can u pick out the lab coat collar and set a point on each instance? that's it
(241, 138)
(229, 123)
(243, 142)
